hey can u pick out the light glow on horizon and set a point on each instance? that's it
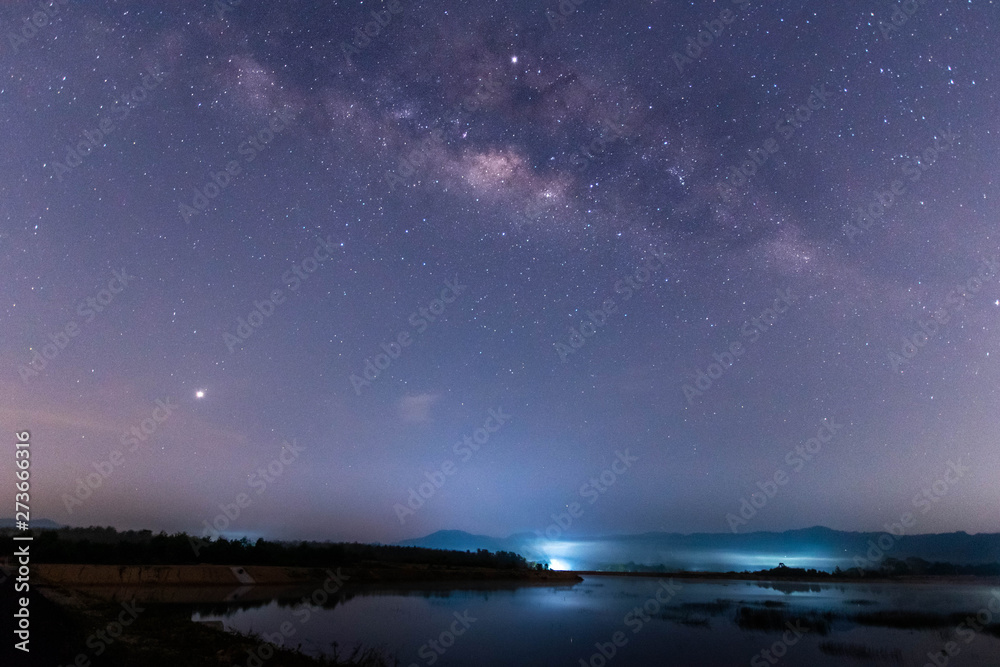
(559, 564)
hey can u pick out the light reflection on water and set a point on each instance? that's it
(604, 554)
(560, 625)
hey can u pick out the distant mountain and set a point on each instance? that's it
(41, 524)
(457, 540)
(817, 547)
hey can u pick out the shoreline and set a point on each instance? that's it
(274, 576)
(165, 634)
(70, 575)
(799, 579)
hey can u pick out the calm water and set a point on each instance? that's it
(699, 623)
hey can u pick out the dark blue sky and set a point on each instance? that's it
(479, 207)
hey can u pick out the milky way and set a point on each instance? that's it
(394, 268)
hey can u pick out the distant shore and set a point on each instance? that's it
(70, 575)
(800, 578)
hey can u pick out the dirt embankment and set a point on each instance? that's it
(226, 575)
(376, 572)
(170, 575)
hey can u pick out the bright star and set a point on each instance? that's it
(200, 393)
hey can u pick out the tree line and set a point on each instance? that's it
(107, 546)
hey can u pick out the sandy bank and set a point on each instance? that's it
(254, 575)
(171, 575)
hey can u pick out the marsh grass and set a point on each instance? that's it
(862, 652)
(769, 619)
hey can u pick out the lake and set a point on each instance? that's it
(639, 621)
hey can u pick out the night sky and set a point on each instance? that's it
(498, 246)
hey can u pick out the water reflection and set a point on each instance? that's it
(718, 622)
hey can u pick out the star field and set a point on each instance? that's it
(294, 197)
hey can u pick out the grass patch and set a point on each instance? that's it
(777, 620)
(908, 620)
(711, 608)
(861, 652)
(684, 617)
